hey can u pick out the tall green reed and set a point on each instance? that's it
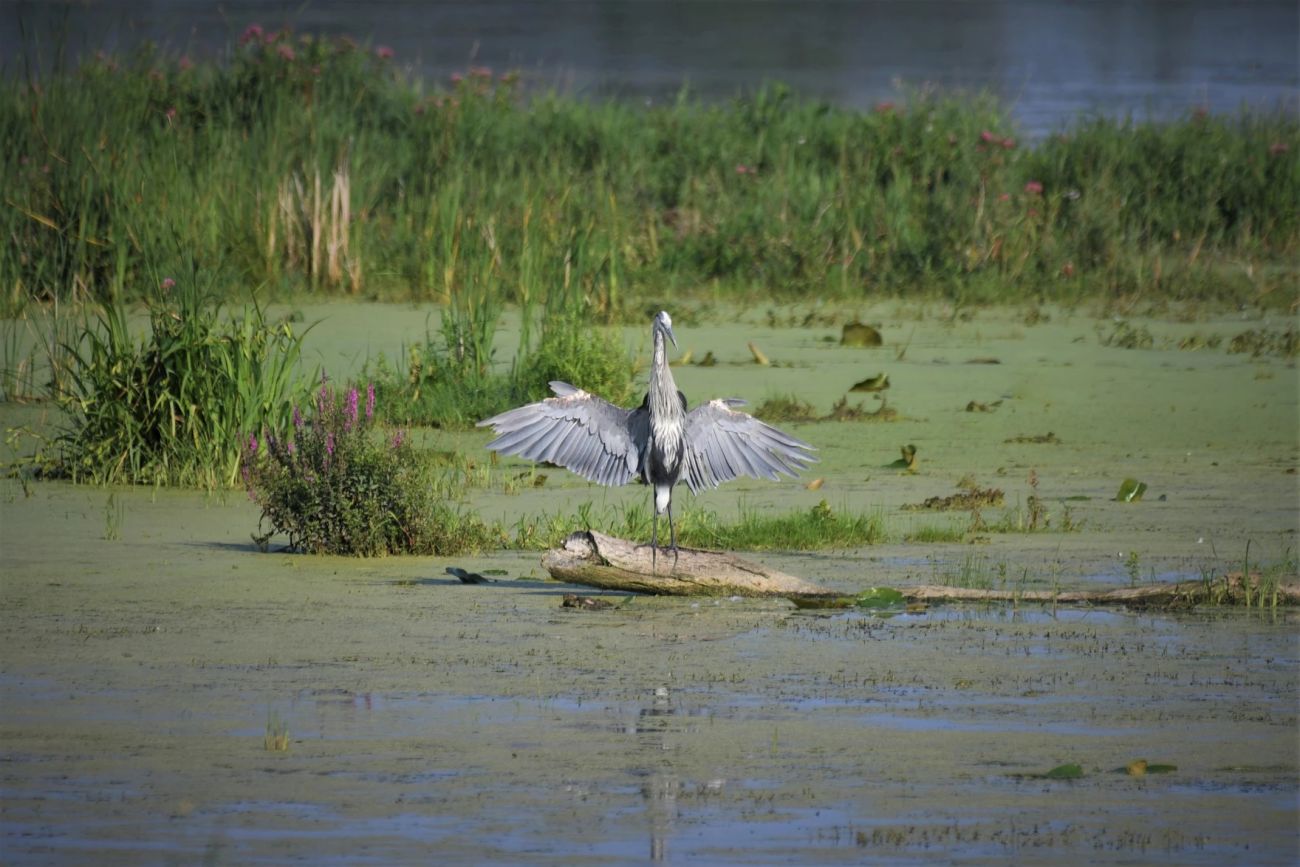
(173, 406)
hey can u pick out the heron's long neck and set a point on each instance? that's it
(663, 390)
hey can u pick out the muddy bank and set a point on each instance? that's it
(147, 649)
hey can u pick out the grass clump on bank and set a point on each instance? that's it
(307, 163)
(171, 407)
(337, 485)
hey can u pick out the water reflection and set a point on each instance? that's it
(1054, 59)
(660, 789)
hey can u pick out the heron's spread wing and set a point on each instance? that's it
(722, 444)
(576, 430)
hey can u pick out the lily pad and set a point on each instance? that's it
(1131, 490)
(879, 382)
(1064, 772)
(880, 597)
(858, 334)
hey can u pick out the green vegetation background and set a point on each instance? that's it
(302, 163)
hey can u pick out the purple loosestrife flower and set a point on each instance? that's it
(351, 418)
(370, 400)
(329, 443)
(397, 439)
(252, 444)
(297, 418)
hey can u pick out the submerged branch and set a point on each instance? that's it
(1228, 589)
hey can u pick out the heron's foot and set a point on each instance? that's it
(654, 558)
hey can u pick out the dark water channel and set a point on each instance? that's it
(1051, 60)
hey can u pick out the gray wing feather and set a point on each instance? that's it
(722, 444)
(576, 430)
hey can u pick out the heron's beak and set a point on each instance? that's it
(671, 336)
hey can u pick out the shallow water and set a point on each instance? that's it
(487, 724)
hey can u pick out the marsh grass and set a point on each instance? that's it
(753, 530)
(35, 355)
(935, 534)
(308, 163)
(172, 406)
(450, 381)
(17, 363)
(114, 516)
(276, 739)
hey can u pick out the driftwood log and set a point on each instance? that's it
(597, 560)
(610, 563)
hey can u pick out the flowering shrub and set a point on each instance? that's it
(337, 485)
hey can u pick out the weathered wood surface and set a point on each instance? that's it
(1226, 589)
(597, 560)
(610, 563)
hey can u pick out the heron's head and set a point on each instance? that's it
(664, 323)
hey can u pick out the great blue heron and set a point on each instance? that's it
(658, 442)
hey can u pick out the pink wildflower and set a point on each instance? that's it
(742, 169)
(252, 33)
(352, 408)
(329, 443)
(285, 50)
(297, 418)
(370, 400)
(383, 52)
(1277, 148)
(480, 72)
(885, 107)
(397, 439)
(1034, 188)
(252, 444)
(171, 113)
(457, 78)
(1008, 143)
(987, 137)
(185, 63)
(1004, 197)
(168, 283)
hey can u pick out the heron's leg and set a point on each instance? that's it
(672, 533)
(654, 541)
